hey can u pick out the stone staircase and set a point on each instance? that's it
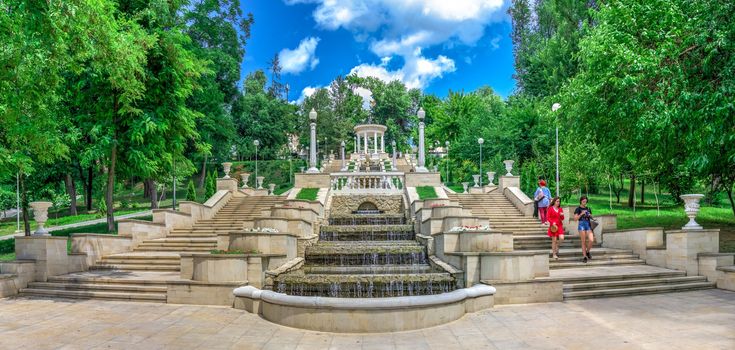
(141, 275)
(611, 272)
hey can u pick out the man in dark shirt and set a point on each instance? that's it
(583, 215)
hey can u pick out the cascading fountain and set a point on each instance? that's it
(370, 255)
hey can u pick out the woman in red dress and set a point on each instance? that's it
(555, 216)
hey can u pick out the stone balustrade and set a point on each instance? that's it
(367, 182)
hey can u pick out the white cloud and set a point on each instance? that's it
(416, 72)
(306, 92)
(297, 60)
(367, 96)
(495, 42)
(405, 27)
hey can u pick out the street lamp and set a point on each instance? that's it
(173, 166)
(446, 143)
(480, 141)
(256, 143)
(422, 157)
(393, 144)
(554, 108)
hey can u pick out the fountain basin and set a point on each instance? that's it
(364, 315)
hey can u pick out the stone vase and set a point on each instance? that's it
(490, 177)
(227, 166)
(271, 189)
(244, 177)
(40, 214)
(691, 208)
(260, 179)
(465, 185)
(302, 168)
(476, 178)
(436, 168)
(508, 166)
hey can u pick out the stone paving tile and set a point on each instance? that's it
(691, 320)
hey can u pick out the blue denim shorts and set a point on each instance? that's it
(584, 226)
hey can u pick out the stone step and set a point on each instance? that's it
(587, 275)
(128, 261)
(177, 244)
(136, 267)
(119, 287)
(172, 249)
(653, 289)
(83, 294)
(633, 282)
(594, 263)
(182, 240)
(597, 257)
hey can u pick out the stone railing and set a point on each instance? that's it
(367, 182)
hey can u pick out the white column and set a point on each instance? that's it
(375, 141)
(357, 143)
(365, 137)
(344, 164)
(382, 143)
(422, 157)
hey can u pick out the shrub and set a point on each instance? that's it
(191, 192)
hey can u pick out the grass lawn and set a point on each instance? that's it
(282, 189)
(308, 194)
(426, 192)
(8, 227)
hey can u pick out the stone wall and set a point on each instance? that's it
(343, 205)
(423, 179)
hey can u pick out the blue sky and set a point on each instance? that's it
(434, 45)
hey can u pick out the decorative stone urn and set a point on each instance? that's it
(691, 208)
(436, 168)
(227, 166)
(260, 181)
(508, 166)
(245, 177)
(302, 168)
(477, 180)
(490, 177)
(40, 214)
(271, 189)
(465, 185)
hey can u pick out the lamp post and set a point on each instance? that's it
(256, 143)
(17, 198)
(446, 143)
(422, 157)
(393, 144)
(554, 108)
(480, 141)
(312, 145)
(173, 166)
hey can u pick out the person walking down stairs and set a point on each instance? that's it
(555, 217)
(583, 215)
(542, 197)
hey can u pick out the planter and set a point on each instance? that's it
(227, 166)
(40, 214)
(490, 177)
(245, 177)
(508, 166)
(476, 178)
(691, 208)
(260, 179)
(465, 185)
(271, 189)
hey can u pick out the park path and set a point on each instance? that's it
(88, 222)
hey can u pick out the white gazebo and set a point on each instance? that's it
(364, 133)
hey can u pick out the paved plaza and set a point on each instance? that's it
(689, 320)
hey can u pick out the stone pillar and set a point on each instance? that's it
(356, 143)
(365, 143)
(382, 143)
(344, 163)
(312, 147)
(422, 157)
(375, 142)
(394, 155)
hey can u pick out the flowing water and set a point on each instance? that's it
(365, 256)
